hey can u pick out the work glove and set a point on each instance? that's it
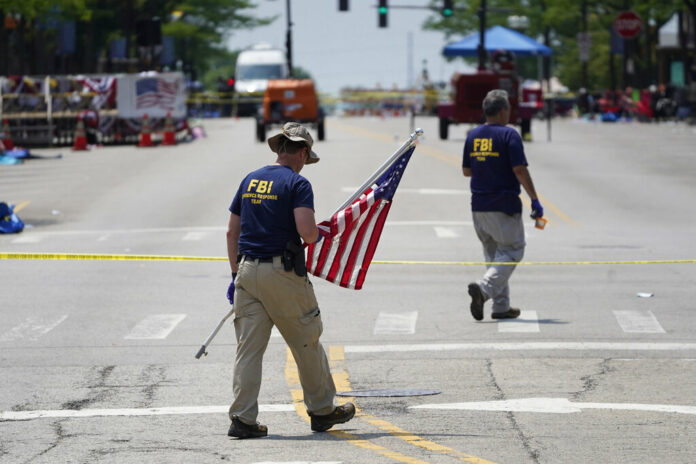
(537, 209)
(230, 289)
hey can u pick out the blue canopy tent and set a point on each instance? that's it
(497, 38)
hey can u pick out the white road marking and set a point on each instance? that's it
(428, 223)
(173, 410)
(103, 238)
(526, 322)
(275, 333)
(555, 406)
(421, 191)
(193, 236)
(32, 328)
(396, 323)
(155, 327)
(516, 346)
(27, 239)
(446, 232)
(638, 322)
(298, 462)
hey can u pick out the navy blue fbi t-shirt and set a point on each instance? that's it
(491, 151)
(265, 202)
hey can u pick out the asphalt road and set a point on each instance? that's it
(97, 356)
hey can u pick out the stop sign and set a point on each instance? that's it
(628, 24)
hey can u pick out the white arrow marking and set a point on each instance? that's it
(174, 410)
(554, 406)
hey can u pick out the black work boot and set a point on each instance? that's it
(241, 430)
(477, 300)
(339, 415)
(511, 313)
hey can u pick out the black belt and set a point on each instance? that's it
(258, 258)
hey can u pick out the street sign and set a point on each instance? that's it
(628, 24)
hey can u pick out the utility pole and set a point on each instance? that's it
(583, 75)
(288, 40)
(482, 36)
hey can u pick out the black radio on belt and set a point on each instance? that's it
(293, 258)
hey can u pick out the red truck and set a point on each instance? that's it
(469, 90)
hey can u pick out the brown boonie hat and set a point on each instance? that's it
(297, 133)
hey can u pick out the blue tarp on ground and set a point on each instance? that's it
(497, 38)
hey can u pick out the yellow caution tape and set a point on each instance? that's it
(101, 257)
(96, 257)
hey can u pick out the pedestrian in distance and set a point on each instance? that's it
(272, 210)
(494, 159)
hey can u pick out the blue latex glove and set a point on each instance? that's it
(537, 209)
(230, 290)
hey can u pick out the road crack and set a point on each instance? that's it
(591, 381)
(102, 391)
(500, 395)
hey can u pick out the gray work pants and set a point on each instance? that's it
(502, 237)
(267, 295)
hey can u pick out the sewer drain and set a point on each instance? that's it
(388, 393)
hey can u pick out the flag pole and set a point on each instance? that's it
(406, 145)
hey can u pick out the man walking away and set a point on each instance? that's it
(272, 210)
(494, 159)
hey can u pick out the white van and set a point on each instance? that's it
(255, 66)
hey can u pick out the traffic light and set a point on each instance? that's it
(342, 5)
(447, 8)
(382, 13)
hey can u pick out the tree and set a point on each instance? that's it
(558, 22)
(199, 29)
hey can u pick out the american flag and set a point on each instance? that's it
(352, 234)
(153, 91)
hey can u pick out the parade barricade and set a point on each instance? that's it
(44, 111)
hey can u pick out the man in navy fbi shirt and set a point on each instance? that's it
(272, 210)
(495, 161)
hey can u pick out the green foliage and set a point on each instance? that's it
(199, 28)
(560, 21)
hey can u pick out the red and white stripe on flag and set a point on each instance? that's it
(350, 241)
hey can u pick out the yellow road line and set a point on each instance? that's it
(103, 257)
(342, 382)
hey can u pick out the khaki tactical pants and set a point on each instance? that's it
(267, 295)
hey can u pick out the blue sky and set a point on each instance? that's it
(348, 49)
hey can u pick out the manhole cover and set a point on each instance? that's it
(413, 392)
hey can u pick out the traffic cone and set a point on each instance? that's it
(169, 137)
(145, 134)
(6, 137)
(80, 136)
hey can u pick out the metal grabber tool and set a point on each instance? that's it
(202, 351)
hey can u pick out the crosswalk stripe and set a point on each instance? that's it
(446, 232)
(194, 236)
(638, 321)
(32, 328)
(155, 327)
(27, 239)
(526, 322)
(396, 323)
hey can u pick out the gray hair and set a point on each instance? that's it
(495, 101)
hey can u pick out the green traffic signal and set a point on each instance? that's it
(382, 10)
(447, 12)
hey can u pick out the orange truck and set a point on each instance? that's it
(289, 100)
